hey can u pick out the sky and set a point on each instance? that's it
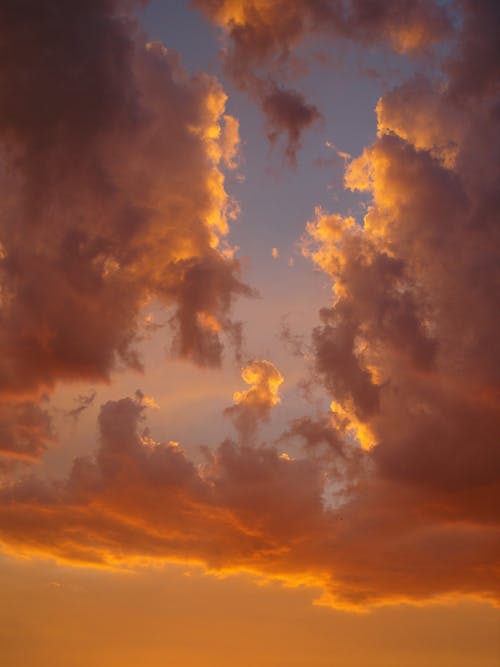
(249, 358)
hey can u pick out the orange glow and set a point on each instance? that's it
(249, 360)
(264, 380)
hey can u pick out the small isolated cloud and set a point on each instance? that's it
(254, 404)
(83, 401)
(287, 112)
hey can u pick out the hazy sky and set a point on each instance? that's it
(249, 360)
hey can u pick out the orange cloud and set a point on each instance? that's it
(395, 497)
(255, 404)
(263, 36)
(269, 30)
(25, 432)
(249, 509)
(113, 194)
(408, 347)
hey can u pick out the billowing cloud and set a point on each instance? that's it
(254, 404)
(264, 30)
(263, 37)
(112, 194)
(248, 508)
(408, 349)
(156, 503)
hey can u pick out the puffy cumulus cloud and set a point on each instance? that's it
(263, 35)
(251, 509)
(408, 349)
(415, 113)
(255, 403)
(112, 191)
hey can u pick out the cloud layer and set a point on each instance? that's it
(248, 508)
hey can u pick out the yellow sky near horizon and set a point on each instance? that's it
(177, 616)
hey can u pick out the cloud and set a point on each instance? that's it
(112, 191)
(204, 296)
(474, 67)
(263, 31)
(26, 430)
(408, 348)
(255, 404)
(83, 401)
(248, 508)
(323, 439)
(394, 496)
(288, 112)
(156, 503)
(263, 37)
